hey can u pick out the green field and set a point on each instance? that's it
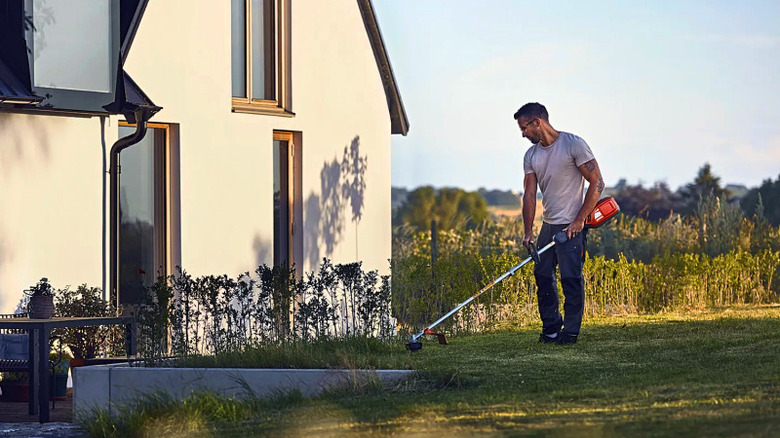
(713, 374)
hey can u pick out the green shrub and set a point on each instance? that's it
(182, 315)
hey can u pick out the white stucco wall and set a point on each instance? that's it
(226, 158)
(50, 202)
(51, 166)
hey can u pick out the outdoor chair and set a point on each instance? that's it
(14, 347)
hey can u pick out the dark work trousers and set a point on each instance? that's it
(569, 258)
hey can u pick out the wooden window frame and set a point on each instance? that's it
(279, 70)
(294, 197)
(167, 246)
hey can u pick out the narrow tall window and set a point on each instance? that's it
(238, 47)
(262, 48)
(260, 56)
(144, 212)
(288, 243)
(283, 202)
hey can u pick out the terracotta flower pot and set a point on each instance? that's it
(41, 307)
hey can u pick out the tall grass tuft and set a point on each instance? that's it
(714, 258)
(161, 415)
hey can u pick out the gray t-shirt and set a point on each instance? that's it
(560, 180)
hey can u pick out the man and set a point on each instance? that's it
(558, 163)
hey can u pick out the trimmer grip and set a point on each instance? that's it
(533, 252)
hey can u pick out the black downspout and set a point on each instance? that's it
(114, 170)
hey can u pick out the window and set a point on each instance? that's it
(74, 66)
(147, 194)
(260, 56)
(288, 239)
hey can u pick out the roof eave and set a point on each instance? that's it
(15, 100)
(135, 22)
(399, 122)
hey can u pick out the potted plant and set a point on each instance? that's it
(41, 304)
(85, 342)
(15, 386)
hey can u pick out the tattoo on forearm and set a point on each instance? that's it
(590, 166)
(600, 185)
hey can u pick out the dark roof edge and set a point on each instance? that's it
(13, 90)
(135, 22)
(398, 119)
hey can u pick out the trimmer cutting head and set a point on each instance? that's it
(414, 346)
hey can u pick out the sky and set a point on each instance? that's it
(656, 88)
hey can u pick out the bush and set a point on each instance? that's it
(218, 314)
(87, 342)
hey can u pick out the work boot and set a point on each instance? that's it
(565, 339)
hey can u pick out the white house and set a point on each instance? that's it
(243, 132)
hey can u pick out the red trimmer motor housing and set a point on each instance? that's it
(605, 210)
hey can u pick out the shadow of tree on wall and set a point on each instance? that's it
(342, 184)
(353, 170)
(262, 249)
(311, 225)
(19, 136)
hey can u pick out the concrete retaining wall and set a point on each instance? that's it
(109, 386)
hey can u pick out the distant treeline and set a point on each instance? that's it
(453, 207)
(658, 202)
(493, 197)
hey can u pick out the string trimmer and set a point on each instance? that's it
(605, 210)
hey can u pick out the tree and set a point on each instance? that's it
(705, 184)
(499, 197)
(449, 207)
(768, 195)
(654, 203)
(417, 208)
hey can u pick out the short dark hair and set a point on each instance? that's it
(533, 110)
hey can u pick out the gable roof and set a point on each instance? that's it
(399, 123)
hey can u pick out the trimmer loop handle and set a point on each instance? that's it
(533, 252)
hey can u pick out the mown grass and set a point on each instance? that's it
(711, 374)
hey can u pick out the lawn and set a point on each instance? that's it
(712, 374)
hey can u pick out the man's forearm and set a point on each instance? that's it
(592, 174)
(592, 196)
(529, 213)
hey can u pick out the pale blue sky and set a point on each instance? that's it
(656, 88)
